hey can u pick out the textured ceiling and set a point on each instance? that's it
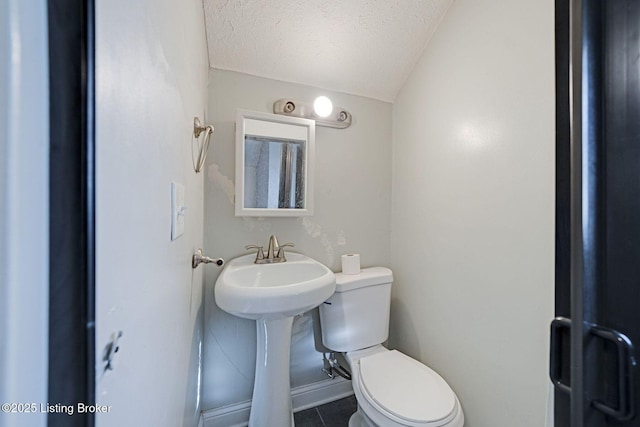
(363, 47)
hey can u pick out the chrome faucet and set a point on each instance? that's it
(275, 252)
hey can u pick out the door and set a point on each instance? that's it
(24, 180)
(598, 214)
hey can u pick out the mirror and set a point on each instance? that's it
(274, 165)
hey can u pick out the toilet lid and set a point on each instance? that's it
(406, 388)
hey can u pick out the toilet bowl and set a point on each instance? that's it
(395, 390)
(392, 389)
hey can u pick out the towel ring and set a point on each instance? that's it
(198, 129)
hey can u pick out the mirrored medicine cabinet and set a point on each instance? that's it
(274, 165)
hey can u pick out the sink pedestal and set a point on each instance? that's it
(271, 404)
(272, 294)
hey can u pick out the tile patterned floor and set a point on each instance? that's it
(333, 414)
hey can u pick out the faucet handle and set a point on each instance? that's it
(281, 249)
(260, 254)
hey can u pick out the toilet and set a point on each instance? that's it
(391, 388)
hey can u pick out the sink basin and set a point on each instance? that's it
(256, 291)
(272, 294)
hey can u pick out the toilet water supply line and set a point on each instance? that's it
(332, 365)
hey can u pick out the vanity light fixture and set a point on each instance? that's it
(321, 110)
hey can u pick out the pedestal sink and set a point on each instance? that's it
(272, 294)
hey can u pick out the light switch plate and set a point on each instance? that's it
(177, 210)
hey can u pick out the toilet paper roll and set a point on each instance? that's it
(351, 264)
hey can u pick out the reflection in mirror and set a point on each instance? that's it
(274, 173)
(274, 165)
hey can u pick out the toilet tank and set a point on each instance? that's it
(357, 314)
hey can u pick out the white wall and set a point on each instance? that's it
(473, 208)
(351, 214)
(24, 208)
(151, 78)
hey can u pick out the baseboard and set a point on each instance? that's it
(303, 397)
(308, 396)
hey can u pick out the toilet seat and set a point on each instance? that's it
(405, 390)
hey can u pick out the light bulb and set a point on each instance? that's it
(322, 106)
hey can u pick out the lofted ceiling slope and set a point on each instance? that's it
(362, 47)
